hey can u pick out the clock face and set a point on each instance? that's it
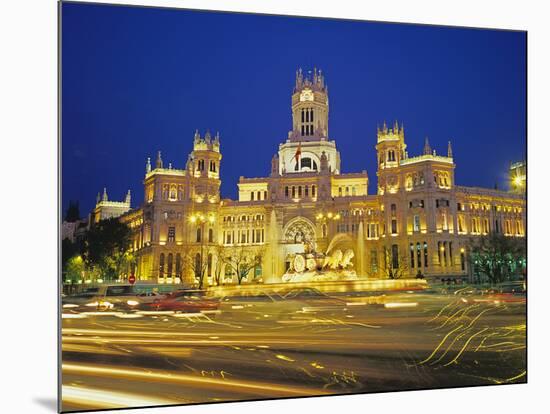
(306, 95)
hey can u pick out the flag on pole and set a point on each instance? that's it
(298, 152)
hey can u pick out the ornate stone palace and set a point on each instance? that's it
(307, 217)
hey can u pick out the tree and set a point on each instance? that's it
(106, 247)
(73, 212)
(194, 261)
(242, 260)
(74, 269)
(220, 252)
(497, 257)
(395, 264)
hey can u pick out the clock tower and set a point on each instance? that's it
(309, 107)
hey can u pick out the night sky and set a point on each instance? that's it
(137, 80)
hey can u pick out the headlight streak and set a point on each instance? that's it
(253, 387)
(109, 399)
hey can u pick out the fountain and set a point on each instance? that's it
(313, 266)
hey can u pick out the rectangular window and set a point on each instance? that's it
(412, 255)
(286, 192)
(395, 256)
(416, 223)
(171, 234)
(374, 261)
(306, 191)
(394, 226)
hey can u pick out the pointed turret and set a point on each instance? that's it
(427, 148)
(105, 197)
(217, 138)
(98, 198)
(128, 198)
(449, 150)
(324, 162)
(275, 165)
(207, 136)
(159, 161)
(148, 165)
(197, 137)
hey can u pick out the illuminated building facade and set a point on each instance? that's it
(418, 221)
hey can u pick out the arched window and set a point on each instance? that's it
(313, 190)
(170, 263)
(161, 265)
(418, 255)
(198, 265)
(209, 272)
(199, 235)
(311, 116)
(425, 254)
(286, 191)
(210, 235)
(324, 230)
(178, 265)
(252, 195)
(293, 192)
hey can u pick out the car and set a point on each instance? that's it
(105, 297)
(149, 297)
(188, 301)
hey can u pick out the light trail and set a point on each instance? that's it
(455, 359)
(252, 387)
(98, 398)
(439, 345)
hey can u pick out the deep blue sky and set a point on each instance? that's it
(137, 80)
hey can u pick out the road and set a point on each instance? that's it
(246, 351)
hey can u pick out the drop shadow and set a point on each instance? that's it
(48, 403)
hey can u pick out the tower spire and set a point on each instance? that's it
(148, 165)
(449, 150)
(98, 198)
(427, 148)
(105, 198)
(128, 197)
(159, 160)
